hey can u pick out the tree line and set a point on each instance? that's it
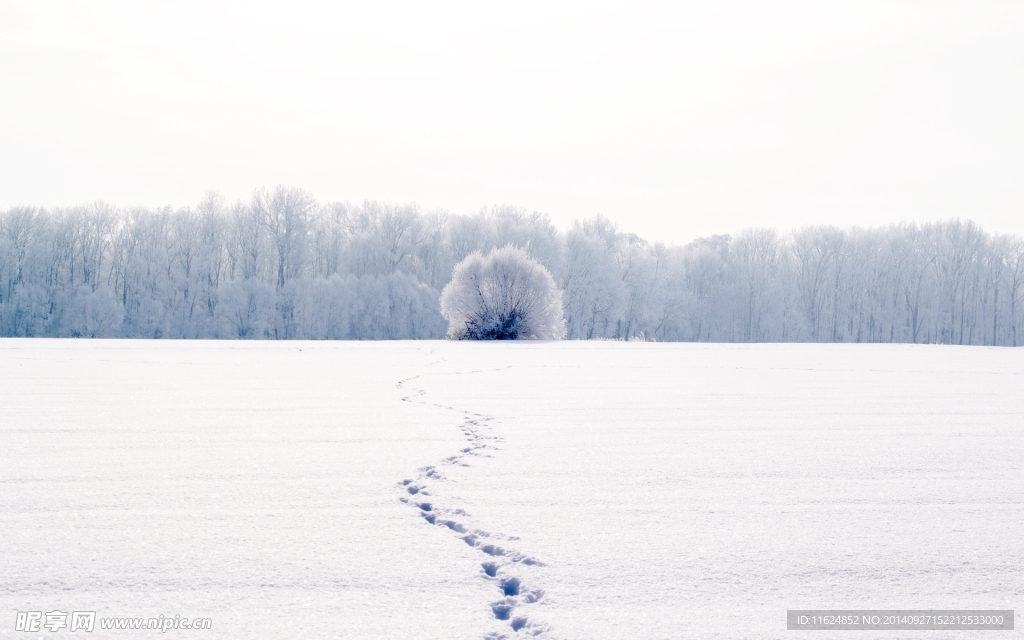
(281, 265)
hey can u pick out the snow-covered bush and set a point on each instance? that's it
(504, 295)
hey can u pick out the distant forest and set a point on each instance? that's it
(283, 266)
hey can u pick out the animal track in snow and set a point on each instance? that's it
(479, 443)
(510, 586)
(502, 609)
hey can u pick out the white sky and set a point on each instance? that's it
(674, 120)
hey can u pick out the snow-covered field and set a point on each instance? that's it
(615, 490)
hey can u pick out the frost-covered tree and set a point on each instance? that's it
(504, 295)
(594, 292)
(284, 215)
(246, 308)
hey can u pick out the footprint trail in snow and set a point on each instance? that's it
(500, 562)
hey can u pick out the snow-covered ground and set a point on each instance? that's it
(615, 490)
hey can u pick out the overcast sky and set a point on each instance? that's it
(674, 120)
